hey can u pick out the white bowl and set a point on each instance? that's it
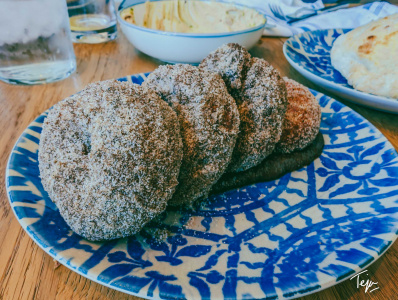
(183, 47)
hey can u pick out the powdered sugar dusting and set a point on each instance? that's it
(209, 121)
(109, 158)
(260, 94)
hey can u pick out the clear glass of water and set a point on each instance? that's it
(92, 21)
(35, 43)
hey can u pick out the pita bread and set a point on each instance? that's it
(368, 57)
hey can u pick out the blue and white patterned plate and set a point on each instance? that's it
(309, 54)
(296, 235)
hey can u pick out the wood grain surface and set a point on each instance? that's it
(27, 272)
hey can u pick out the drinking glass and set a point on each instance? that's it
(35, 44)
(92, 21)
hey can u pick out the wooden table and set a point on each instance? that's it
(27, 272)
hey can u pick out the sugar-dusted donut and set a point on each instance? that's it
(260, 94)
(302, 120)
(209, 124)
(109, 158)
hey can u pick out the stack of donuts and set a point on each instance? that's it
(115, 155)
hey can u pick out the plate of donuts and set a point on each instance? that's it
(310, 54)
(276, 237)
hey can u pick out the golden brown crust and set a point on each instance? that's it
(209, 122)
(371, 41)
(109, 158)
(302, 119)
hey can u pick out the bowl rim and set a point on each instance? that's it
(191, 35)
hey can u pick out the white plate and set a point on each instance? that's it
(176, 47)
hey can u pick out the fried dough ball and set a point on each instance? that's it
(232, 62)
(260, 94)
(303, 118)
(209, 124)
(109, 158)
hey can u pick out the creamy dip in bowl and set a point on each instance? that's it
(186, 31)
(192, 16)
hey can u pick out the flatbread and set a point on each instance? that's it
(368, 57)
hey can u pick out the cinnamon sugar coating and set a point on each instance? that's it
(303, 118)
(209, 124)
(109, 158)
(232, 62)
(260, 94)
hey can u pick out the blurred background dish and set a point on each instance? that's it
(367, 57)
(35, 44)
(196, 40)
(192, 16)
(92, 21)
(309, 54)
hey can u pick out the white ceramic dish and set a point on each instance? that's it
(309, 54)
(182, 47)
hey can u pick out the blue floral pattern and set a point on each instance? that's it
(278, 239)
(311, 51)
(309, 54)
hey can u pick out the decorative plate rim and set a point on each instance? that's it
(76, 269)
